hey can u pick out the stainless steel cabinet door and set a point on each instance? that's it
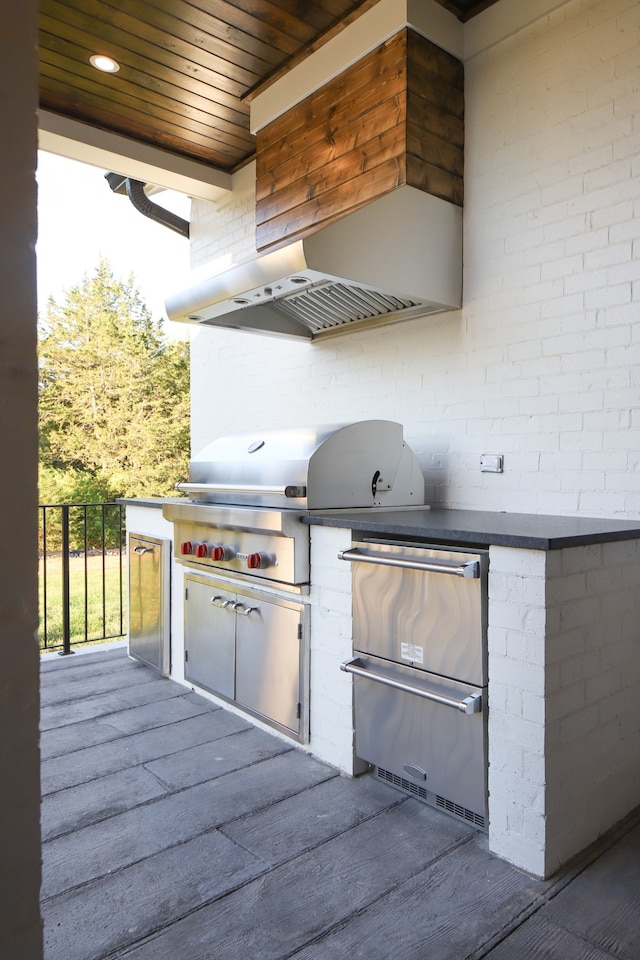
(268, 645)
(209, 632)
(149, 601)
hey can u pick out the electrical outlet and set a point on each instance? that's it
(491, 463)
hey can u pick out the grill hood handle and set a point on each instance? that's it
(289, 490)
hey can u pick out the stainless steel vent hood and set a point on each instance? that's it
(397, 257)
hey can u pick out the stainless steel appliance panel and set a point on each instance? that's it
(209, 636)
(269, 639)
(438, 747)
(249, 647)
(277, 552)
(149, 620)
(430, 619)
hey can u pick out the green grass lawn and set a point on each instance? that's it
(102, 618)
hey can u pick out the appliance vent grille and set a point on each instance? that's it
(331, 304)
(433, 799)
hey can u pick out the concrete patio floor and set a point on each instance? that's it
(176, 830)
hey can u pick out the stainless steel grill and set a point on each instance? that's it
(245, 550)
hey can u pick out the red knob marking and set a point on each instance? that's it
(186, 547)
(201, 550)
(254, 561)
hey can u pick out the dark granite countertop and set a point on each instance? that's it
(481, 527)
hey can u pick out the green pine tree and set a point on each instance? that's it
(114, 395)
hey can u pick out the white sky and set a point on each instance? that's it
(80, 218)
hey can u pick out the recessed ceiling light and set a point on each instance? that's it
(106, 64)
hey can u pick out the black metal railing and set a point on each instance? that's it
(81, 574)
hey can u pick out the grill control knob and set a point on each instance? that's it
(201, 550)
(186, 548)
(255, 561)
(217, 553)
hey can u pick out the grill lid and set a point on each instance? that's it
(360, 464)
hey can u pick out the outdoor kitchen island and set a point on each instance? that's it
(563, 662)
(563, 665)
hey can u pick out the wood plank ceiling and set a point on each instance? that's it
(188, 68)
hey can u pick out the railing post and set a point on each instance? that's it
(66, 596)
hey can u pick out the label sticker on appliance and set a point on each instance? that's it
(409, 651)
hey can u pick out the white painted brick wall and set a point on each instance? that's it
(541, 363)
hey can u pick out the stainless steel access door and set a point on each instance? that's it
(269, 660)
(149, 583)
(251, 648)
(209, 634)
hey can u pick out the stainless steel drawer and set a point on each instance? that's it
(439, 747)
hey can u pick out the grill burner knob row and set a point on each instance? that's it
(215, 551)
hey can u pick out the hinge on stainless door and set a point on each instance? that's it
(186, 656)
(299, 631)
(298, 711)
(186, 593)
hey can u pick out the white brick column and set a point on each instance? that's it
(592, 683)
(332, 721)
(517, 645)
(564, 716)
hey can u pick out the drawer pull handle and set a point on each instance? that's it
(468, 705)
(470, 569)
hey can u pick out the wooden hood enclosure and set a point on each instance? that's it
(394, 118)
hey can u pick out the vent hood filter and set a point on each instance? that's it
(397, 257)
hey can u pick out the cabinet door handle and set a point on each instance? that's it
(142, 550)
(243, 611)
(220, 602)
